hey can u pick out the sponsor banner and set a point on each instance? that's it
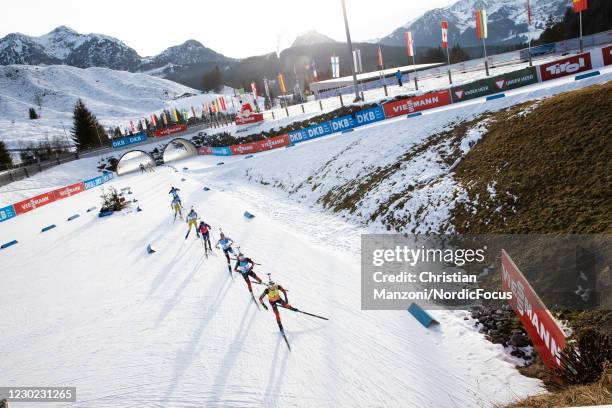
(369, 116)
(417, 103)
(170, 130)
(607, 55)
(309, 133)
(260, 146)
(547, 337)
(129, 140)
(500, 83)
(33, 203)
(68, 191)
(566, 66)
(96, 181)
(342, 123)
(6, 213)
(252, 118)
(516, 79)
(221, 151)
(205, 150)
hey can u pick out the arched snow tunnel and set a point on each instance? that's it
(132, 160)
(179, 149)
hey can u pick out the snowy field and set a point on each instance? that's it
(84, 305)
(115, 97)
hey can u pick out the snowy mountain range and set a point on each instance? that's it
(311, 38)
(65, 46)
(507, 22)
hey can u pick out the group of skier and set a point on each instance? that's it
(244, 265)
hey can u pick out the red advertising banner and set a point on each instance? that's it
(170, 130)
(547, 337)
(252, 118)
(68, 191)
(202, 151)
(566, 66)
(260, 146)
(33, 203)
(418, 103)
(607, 55)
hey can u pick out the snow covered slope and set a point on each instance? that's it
(92, 309)
(172, 329)
(115, 97)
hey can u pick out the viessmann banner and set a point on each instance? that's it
(500, 83)
(547, 337)
(32, 203)
(417, 103)
(260, 146)
(170, 130)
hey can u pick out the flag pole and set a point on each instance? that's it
(581, 49)
(350, 46)
(450, 78)
(484, 44)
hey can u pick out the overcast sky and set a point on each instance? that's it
(236, 28)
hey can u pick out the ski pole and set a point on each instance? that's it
(309, 314)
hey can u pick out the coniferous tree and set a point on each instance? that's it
(213, 80)
(6, 161)
(33, 114)
(86, 130)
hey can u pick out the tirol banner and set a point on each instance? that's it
(309, 133)
(97, 181)
(68, 191)
(170, 130)
(30, 204)
(7, 213)
(500, 83)
(607, 55)
(417, 103)
(129, 140)
(545, 333)
(566, 66)
(261, 145)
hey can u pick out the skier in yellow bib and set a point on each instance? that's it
(273, 291)
(192, 221)
(177, 207)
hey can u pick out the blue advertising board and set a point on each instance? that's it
(221, 151)
(96, 181)
(309, 133)
(342, 123)
(7, 213)
(369, 116)
(129, 140)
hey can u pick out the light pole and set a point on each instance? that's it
(350, 46)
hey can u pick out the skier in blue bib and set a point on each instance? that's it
(226, 245)
(245, 267)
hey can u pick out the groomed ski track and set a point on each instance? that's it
(84, 305)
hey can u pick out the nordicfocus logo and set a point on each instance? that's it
(566, 68)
